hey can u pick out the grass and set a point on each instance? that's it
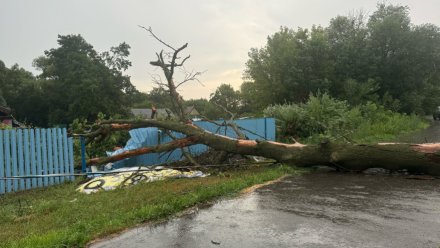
(61, 217)
(388, 129)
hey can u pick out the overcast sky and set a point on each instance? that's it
(220, 33)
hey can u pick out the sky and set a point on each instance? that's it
(219, 33)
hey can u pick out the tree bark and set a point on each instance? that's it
(416, 158)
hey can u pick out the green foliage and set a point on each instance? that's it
(23, 93)
(141, 100)
(293, 64)
(76, 82)
(59, 216)
(226, 97)
(80, 83)
(2, 99)
(161, 98)
(360, 92)
(97, 149)
(325, 117)
(206, 108)
(384, 59)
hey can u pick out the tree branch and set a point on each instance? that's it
(150, 30)
(178, 143)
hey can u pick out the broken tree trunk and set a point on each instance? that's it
(416, 158)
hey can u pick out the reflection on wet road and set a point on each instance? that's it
(315, 210)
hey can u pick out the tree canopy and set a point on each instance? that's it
(80, 83)
(75, 82)
(385, 59)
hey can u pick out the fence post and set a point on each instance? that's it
(14, 163)
(71, 163)
(39, 157)
(66, 158)
(60, 154)
(8, 160)
(27, 163)
(44, 151)
(21, 158)
(33, 158)
(50, 155)
(83, 154)
(56, 167)
(2, 167)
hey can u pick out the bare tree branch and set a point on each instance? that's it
(190, 76)
(178, 143)
(150, 30)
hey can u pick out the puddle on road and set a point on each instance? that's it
(315, 210)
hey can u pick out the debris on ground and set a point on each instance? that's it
(131, 176)
(215, 242)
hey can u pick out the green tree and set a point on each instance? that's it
(250, 103)
(405, 56)
(80, 83)
(23, 93)
(205, 108)
(226, 97)
(385, 59)
(2, 99)
(160, 97)
(290, 66)
(351, 59)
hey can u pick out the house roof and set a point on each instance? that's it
(162, 112)
(191, 110)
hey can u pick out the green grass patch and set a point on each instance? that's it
(61, 217)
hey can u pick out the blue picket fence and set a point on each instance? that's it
(33, 152)
(263, 129)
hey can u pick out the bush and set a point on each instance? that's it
(325, 117)
(96, 149)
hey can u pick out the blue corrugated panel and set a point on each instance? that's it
(263, 129)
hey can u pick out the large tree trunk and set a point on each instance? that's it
(416, 158)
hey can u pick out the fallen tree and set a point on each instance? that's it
(416, 158)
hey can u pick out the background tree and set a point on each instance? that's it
(23, 93)
(2, 99)
(205, 108)
(384, 58)
(289, 67)
(226, 97)
(80, 83)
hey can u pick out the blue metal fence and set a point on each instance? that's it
(263, 129)
(33, 152)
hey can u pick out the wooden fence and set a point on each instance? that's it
(34, 152)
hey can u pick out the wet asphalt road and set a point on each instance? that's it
(428, 135)
(315, 210)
